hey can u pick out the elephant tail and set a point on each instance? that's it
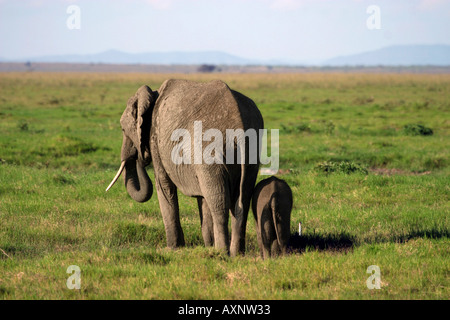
(239, 209)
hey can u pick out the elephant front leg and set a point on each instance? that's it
(206, 222)
(168, 203)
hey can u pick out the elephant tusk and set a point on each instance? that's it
(122, 166)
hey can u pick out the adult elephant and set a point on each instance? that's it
(149, 122)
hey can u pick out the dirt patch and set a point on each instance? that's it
(284, 171)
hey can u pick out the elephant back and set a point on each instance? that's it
(213, 103)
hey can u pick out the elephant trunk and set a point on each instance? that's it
(137, 181)
(138, 184)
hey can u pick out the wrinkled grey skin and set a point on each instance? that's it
(148, 122)
(271, 206)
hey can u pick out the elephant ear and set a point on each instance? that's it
(136, 120)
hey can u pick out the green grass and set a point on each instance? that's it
(370, 188)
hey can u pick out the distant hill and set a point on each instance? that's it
(149, 68)
(407, 55)
(161, 58)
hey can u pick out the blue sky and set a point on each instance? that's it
(300, 30)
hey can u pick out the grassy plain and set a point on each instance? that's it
(60, 141)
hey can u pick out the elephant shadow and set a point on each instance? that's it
(333, 242)
(344, 242)
(428, 233)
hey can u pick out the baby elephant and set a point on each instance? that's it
(272, 205)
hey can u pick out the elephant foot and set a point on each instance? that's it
(236, 250)
(175, 243)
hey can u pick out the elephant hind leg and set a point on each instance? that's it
(239, 214)
(267, 232)
(217, 201)
(238, 224)
(206, 222)
(220, 226)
